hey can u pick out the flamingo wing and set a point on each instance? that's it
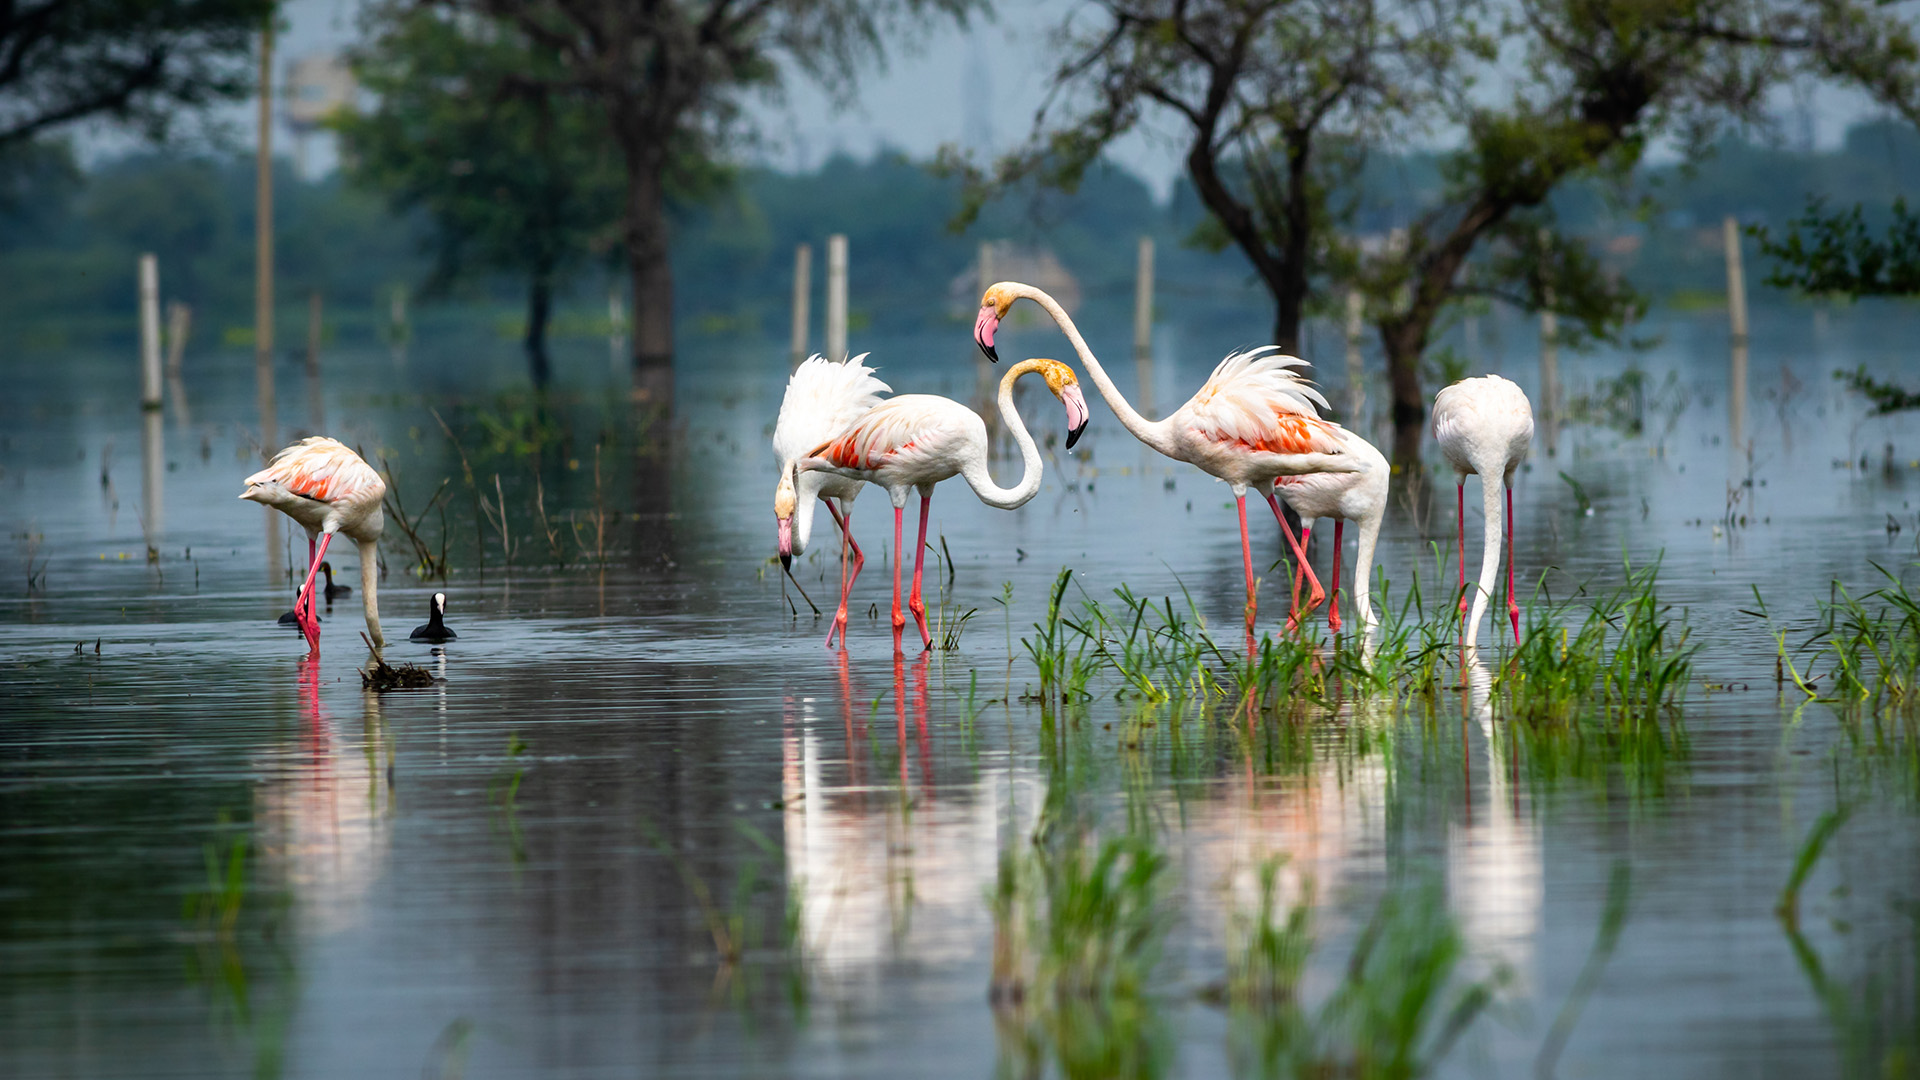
(900, 431)
(823, 398)
(323, 470)
(1254, 401)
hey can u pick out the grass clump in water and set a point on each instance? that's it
(1078, 926)
(1629, 659)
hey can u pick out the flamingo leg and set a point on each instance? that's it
(1333, 603)
(899, 529)
(1246, 560)
(312, 560)
(1513, 606)
(1460, 507)
(1315, 594)
(310, 626)
(839, 623)
(914, 603)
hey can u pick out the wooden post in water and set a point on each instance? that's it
(1356, 367)
(150, 391)
(313, 332)
(263, 289)
(1549, 408)
(1737, 318)
(179, 325)
(1143, 324)
(802, 300)
(837, 297)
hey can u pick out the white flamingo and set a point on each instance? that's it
(1252, 422)
(327, 489)
(1359, 497)
(823, 399)
(1485, 426)
(914, 441)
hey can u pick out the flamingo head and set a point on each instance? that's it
(1066, 386)
(993, 308)
(784, 503)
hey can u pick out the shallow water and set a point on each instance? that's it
(520, 871)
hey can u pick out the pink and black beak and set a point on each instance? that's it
(786, 544)
(983, 328)
(1077, 414)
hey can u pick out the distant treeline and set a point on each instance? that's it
(68, 239)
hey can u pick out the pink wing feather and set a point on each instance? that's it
(1253, 400)
(323, 470)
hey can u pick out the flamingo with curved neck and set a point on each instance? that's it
(914, 441)
(1253, 422)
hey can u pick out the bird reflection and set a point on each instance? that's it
(324, 815)
(875, 860)
(1493, 858)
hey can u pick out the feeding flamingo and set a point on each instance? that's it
(823, 399)
(1359, 497)
(1485, 426)
(914, 441)
(327, 489)
(1253, 421)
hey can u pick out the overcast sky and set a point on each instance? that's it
(974, 86)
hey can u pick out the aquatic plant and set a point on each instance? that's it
(1629, 659)
(1060, 658)
(1873, 643)
(1078, 925)
(1397, 1012)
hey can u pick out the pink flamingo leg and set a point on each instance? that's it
(847, 541)
(914, 603)
(1460, 507)
(1246, 560)
(1315, 593)
(310, 626)
(1513, 606)
(1333, 605)
(899, 529)
(312, 560)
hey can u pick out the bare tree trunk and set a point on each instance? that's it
(539, 308)
(649, 262)
(1403, 342)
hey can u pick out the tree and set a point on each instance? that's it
(514, 177)
(1274, 100)
(666, 76)
(1598, 82)
(136, 62)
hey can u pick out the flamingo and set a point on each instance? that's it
(1253, 421)
(914, 441)
(327, 489)
(434, 631)
(823, 399)
(1485, 426)
(1359, 497)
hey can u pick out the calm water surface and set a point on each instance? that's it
(521, 870)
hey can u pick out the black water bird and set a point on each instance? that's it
(434, 630)
(333, 591)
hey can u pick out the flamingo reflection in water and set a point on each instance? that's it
(1494, 874)
(325, 814)
(888, 868)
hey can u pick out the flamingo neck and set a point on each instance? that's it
(369, 589)
(1363, 571)
(807, 497)
(975, 470)
(1492, 485)
(1153, 433)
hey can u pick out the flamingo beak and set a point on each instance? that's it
(786, 543)
(983, 328)
(1077, 414)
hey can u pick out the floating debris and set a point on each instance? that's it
(384, 677)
